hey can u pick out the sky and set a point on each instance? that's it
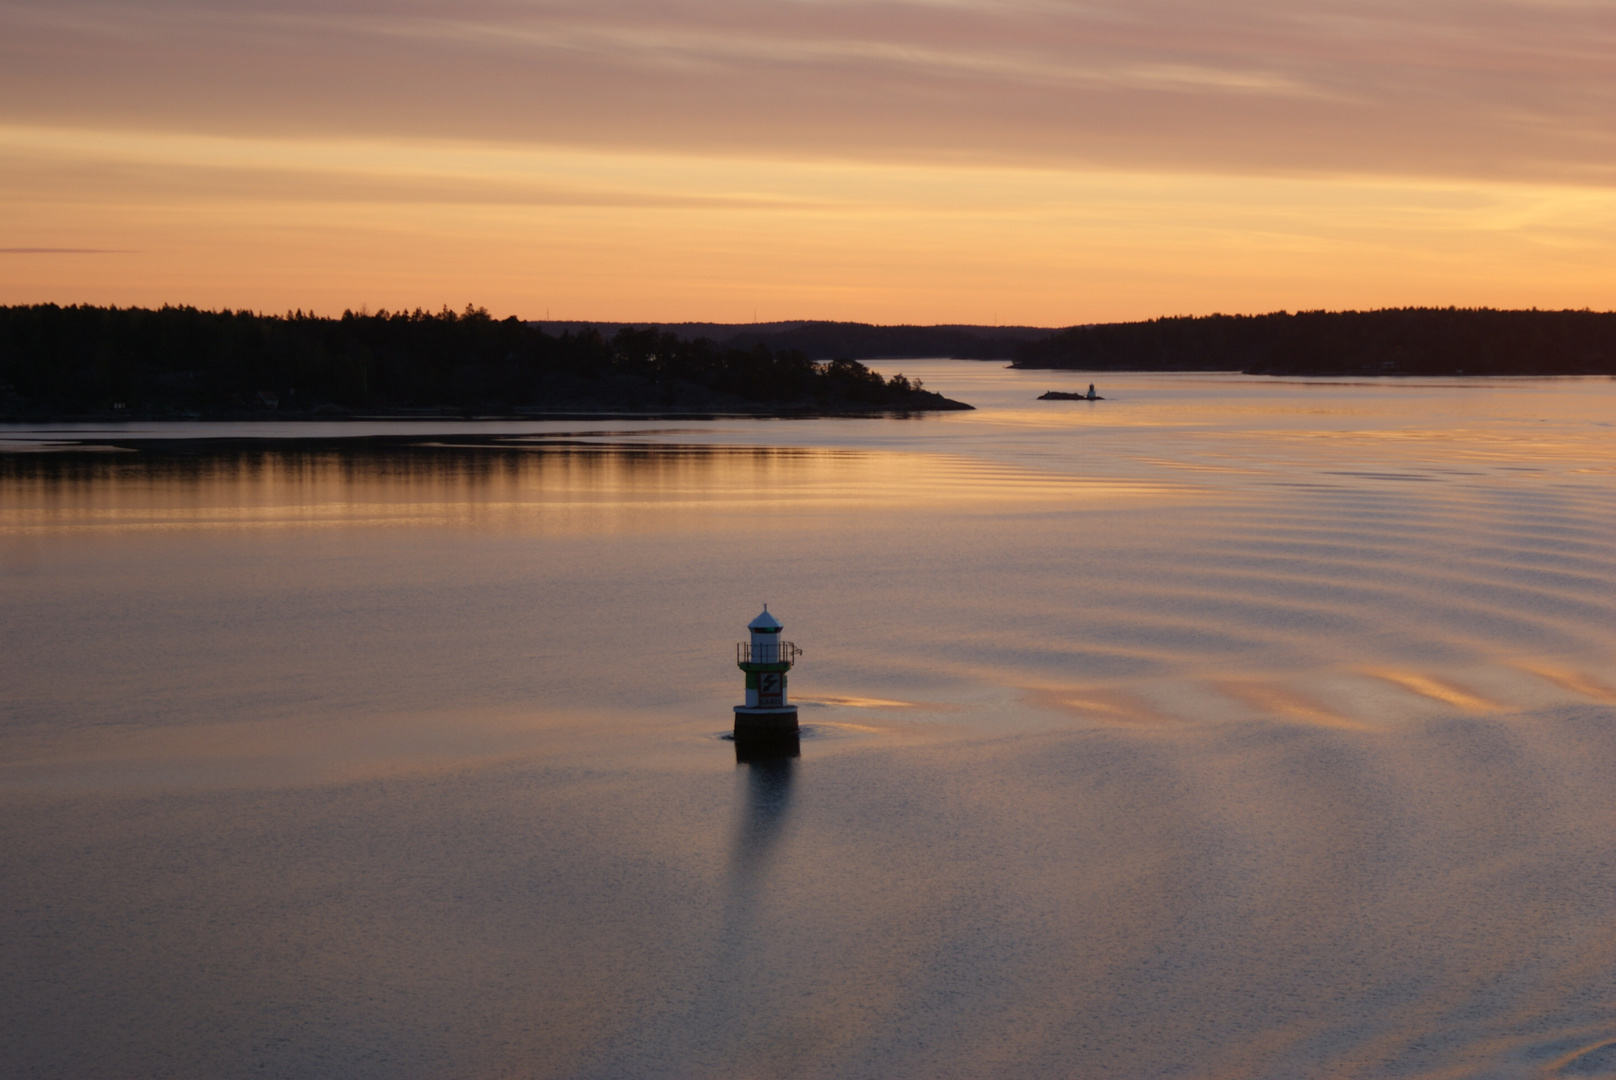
(1034, 162)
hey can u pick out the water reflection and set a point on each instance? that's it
(733, 995)
(768, 799)
(553, 487)
(488, 466)
(557, 485)
(1306, 775)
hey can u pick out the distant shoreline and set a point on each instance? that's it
(88, 364)
(1429, 342)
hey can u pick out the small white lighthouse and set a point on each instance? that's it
(766, 659)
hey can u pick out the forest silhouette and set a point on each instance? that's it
(1393, 341)
(57, 361)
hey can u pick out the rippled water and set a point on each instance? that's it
(1226, 727)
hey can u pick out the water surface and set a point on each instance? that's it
(1227, 727)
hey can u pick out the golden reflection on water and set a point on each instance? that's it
(860, 702)
(1575, 681)
(1438, 690)
(1281, 702)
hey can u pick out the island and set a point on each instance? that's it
(1061, 395)
(84, 361)
(1393, 341)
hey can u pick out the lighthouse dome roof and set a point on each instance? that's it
(764, 621)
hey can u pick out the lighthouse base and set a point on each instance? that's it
(761, 732)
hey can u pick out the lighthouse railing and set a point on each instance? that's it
(785, 652)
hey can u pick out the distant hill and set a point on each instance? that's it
(1393, 341)
(842, 340)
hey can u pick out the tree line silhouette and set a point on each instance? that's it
(1393, 341)
(180, 360)
(867, 342)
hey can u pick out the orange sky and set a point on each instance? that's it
(1016, 161)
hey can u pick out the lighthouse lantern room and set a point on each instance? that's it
(766, 659)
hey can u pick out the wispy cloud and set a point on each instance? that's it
(63, 251)
(1486, 88)
(716, 49)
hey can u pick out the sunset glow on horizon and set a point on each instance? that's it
(971, 161)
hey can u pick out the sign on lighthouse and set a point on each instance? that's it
(767, 714)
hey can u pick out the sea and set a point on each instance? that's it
(1227, 726)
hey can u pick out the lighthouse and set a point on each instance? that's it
(767, 716)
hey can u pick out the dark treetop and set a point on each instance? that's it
(179, 361)
(1397, 341)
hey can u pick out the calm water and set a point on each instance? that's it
(1227, 727)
